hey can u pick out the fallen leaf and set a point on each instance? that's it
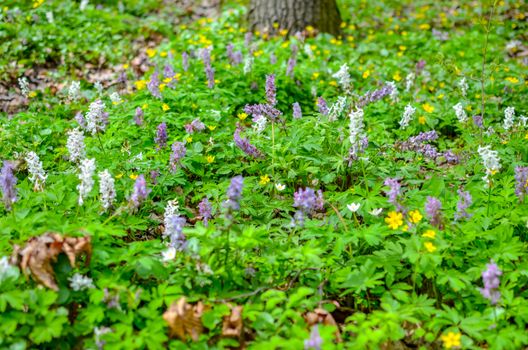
(185, 319)
(233, 325)
(321, 316)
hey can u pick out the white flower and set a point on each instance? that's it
(394, 91)
(75, 145)
(308, 51)
(260, 123)
(83, 5)
(172, 209)
(376, 212)
(460, 112)
(356, 129)
(80, 282)
(95, 117)
(409, 81)
(6, 269)
(115, 98)
(169, 254)
(37, 175)
(343, 77)
(509, 117)
(337, 108)
(86, 171)
(248, 64)
(74, 90)
(99, 87)
(407, 116)
(353, 207)
(463, 85)
(523, 120)
(279, 186)
(49, 16)
(491, 161)
(106, 189)
(24, 86)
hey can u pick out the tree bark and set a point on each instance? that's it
(295, 15)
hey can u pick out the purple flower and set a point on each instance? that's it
(205, 210)
(297, 113)
(234, 194)
(178, 152)
(140, 192)
(394, 192)
(291, 66)
(79, 118)
(420, 65)
(206, 57)
(307, 202)
(237, 58)
(478, 121)
(490, 278)
(322, 105)
(168, 71)
(176, 236)
(153, 85)
(315, 342)
(463, 203)
(521, 182)
(270, 90)
(185, 61)
(451, 157)
(138, 117)
(273, 58)
(8, 184)
(246, 146)
(374, 96)
(247, 38)
(195, 125)
(262, 109)
(432, 209)
(161, 135)
(209, 72)
(154, 176)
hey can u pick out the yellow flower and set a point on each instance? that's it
(167, 80)
(283, 32)
(242, 116)
(145, 106)
(421, 120)
(309, 29)
(189, 139)
(211, 127)
(332, 83)
(140, 84)
(429, 234)
(425, 26)
(210, 159)
(151, 52)
(512, 80)
(118, 176)
(315, 75)
(162, 87)
(163, 53)
(451, 340)
(430, 247)
(415, 216)
(402, 48)
(264, 180)
(165, 107)
(394, 220)
(428, 108)
(366, 74)
(37, 3)
(133, 176)
(125, 66)
(275, 25)
(397, 76)
(32, 94)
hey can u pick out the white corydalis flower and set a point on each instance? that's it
(172, 209)
(49, 17)
(99, 87)
(95, 117)
(356, 129)
(463, 85)
(509, 117)
(409, 81)
(115, 98)
(37, 175)
(75, 145)
(407, 116)
(79, 282)
(248, 64)
(259, 123)
(393, 91)
(24, 86)
(353, 207)
(74, 90)
(83, 4)
(86, 171)
(6, 269)
(343, 77)
(106, 189)
(337, 108)
(491, 162)
(460, 112)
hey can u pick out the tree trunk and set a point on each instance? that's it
(295, 15)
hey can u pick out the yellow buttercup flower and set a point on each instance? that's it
(397, 76)
(118, 176)
(512, 80)
(242, 116)
(189, 139)
(428, 108)
(421, 120)
(163, 54)
(165, 107)
(366, 74)
(210, 159)
(430, 247)
(429, 234)
(151, 52)
(32, 94)
(125, 66)
(140, 84)
(264, 180)
(133, 176)
(211, 127)
(145, 106)
(415, 216)
(394, 220)
(451, 340)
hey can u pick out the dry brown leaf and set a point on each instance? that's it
(233, 325)
(320, 315)
(39, 254)
(185, 319)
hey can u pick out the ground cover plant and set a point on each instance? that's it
(271, 190)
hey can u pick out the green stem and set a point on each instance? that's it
(489, 200)
(364, 177)
(101, 144)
